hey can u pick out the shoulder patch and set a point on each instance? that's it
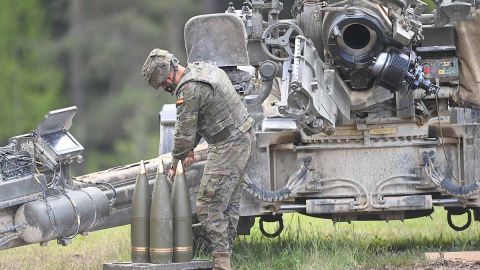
(180, 101)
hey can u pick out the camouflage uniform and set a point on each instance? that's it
(209, 107)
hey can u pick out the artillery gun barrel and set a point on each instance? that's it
(124, 175)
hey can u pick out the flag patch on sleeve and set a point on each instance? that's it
(180, 101)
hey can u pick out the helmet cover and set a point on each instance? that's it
(157, 66)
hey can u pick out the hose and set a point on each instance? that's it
(283, 193)
(114, 192)
(447, 184)
(452, 188)
(267, 195)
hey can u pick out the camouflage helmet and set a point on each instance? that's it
(157, 67)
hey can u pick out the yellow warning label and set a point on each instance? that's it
(383, 131)
(373, 131)
(348, 132)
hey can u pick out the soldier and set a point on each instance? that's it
(208, 107)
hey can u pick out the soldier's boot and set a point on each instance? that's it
(221, 261)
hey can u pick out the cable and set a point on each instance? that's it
(4, 240)
(114, 192)
(94, 221)
(78, 217)
(108, 185)
(443, 141)
(294, 182)
(298, 4)
(447, 184)
(50, 214)
(390, 108)
(13, 164)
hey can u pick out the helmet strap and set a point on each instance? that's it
(174, 62)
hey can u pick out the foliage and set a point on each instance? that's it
(99, 48)
(119, 111)
(430, 6)
(30, 80)
(133, 116)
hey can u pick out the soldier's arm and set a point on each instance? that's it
(188, 104)
(197, 140)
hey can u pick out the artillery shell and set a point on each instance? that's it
(140, 218)
(182, 218)
(161, 220)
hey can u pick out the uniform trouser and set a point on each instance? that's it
(218, 199)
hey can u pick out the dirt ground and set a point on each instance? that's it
(437, 265)
(444, 265)
(446, 260)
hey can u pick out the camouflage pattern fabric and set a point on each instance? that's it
(468, 49)
(156, 67)
(223, 111)
(218, 199)
(189, 101)
(209, 107)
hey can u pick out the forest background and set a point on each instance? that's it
(89, 53)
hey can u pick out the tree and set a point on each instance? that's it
(106, 44)
(30, 81)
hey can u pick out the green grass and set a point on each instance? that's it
(306, 243)
(85, 252)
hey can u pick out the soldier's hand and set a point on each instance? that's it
(171, 174)
(189, 160)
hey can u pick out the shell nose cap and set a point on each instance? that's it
(180, 167)
(141, 168)
(160, 168)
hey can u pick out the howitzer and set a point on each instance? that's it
(357, 118)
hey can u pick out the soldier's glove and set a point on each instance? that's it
(190, 159)
(171, 173)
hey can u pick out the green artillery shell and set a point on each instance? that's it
(140, 218)
(161, 222)
(182, 219)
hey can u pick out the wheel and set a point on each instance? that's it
(278, 40)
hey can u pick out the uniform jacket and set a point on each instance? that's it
(207, 106)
